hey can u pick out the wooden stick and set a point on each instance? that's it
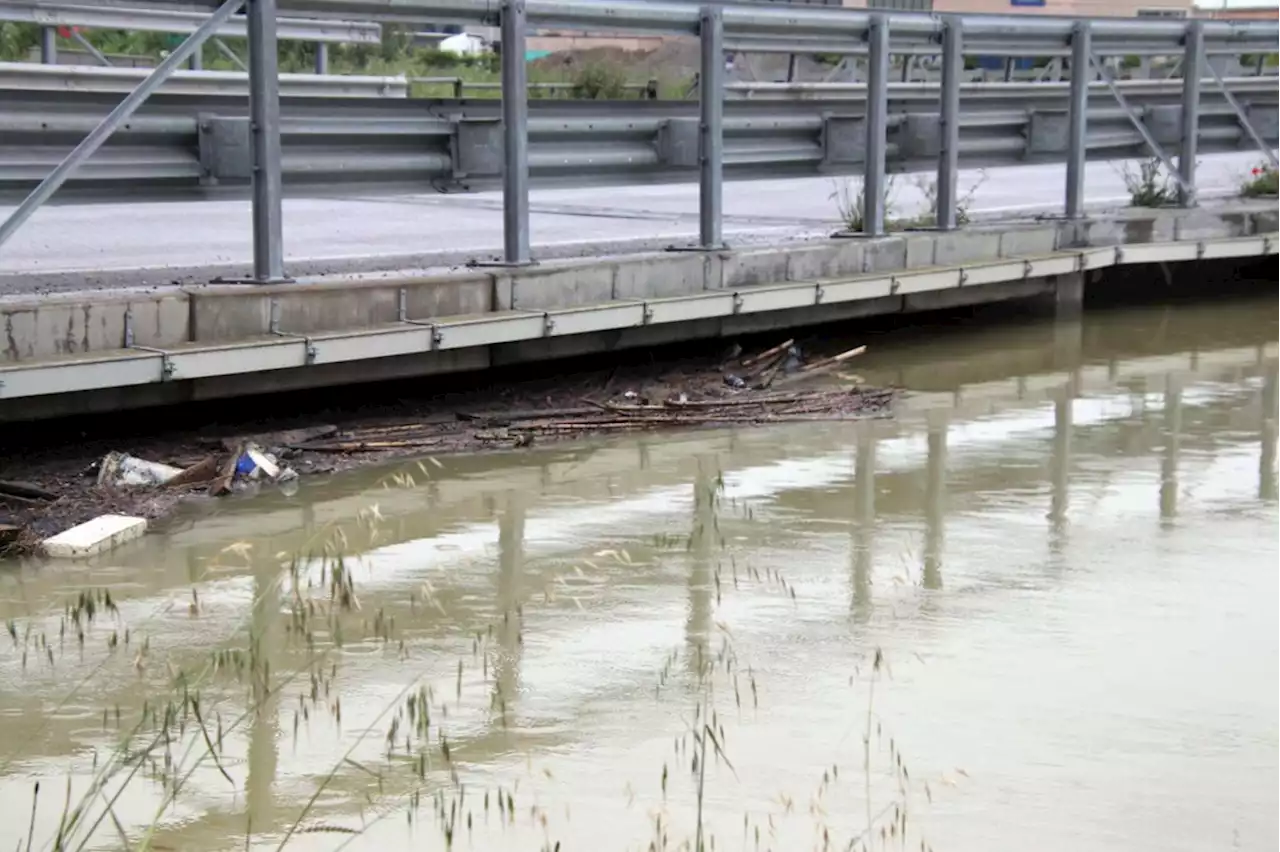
(526, 414)
(768, 353)
(838, 359)
(26, 491)
(368, 446)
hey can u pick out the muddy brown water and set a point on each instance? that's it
(1064, 548)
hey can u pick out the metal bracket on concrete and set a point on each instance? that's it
(548, 324)
(1082, 262)
(1026, 269)
(1119, 256)
(818, 293)
(402, 315)
(166, 362)
(964, 277)
(1242, 116)
(737, 302)
(273, 327)
(1136, 120)
(1266, 245)
(647, 313)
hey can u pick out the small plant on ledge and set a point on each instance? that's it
(1149, 186)
(1261, 182)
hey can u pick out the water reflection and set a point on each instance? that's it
(703, 540)
(935, 496)
(1267, 458)
(864, 520)
(1060, 466)
(1009, 434)
(506, 681)
(1169, 454)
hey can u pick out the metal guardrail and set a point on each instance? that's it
(28, 76)
(458, 86)
(188, 144)
(163, 20)
(867, 137)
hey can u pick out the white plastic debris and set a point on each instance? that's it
(96, 536)
(122, 469)
(256, 464)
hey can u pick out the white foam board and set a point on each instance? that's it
(97, 536)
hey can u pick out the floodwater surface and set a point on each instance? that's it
(1035, 610)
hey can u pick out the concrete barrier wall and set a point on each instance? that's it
(40, 327)
(50, 329)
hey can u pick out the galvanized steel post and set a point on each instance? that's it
(322, 58)
(1078, 116)
(1192, 71)
(949, 152)
(515, 135)
(873, 182)
(114, 119)
(48, 46)
(264, 131)
(711, 128)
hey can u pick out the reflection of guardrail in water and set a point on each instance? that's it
(848, 140)
(197, 139)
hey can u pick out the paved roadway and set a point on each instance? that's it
(108, 245)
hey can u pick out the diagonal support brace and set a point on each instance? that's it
(1243, 117)
(114, 119)
(1136, 121)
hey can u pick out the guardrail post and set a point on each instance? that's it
(322, 58)
(1192, 71)
(114, 119)
(48, 46)
(1078, 116)
(949, 152)
(264, 129)
(515, 135)
(873, 180)
(196, 62)
(711, 128)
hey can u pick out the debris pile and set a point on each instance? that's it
(743, 391)
(772, 386)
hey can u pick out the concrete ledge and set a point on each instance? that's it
(47, 326)
(38, 327)
(226, 340)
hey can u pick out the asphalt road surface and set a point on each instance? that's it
(69, 247)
